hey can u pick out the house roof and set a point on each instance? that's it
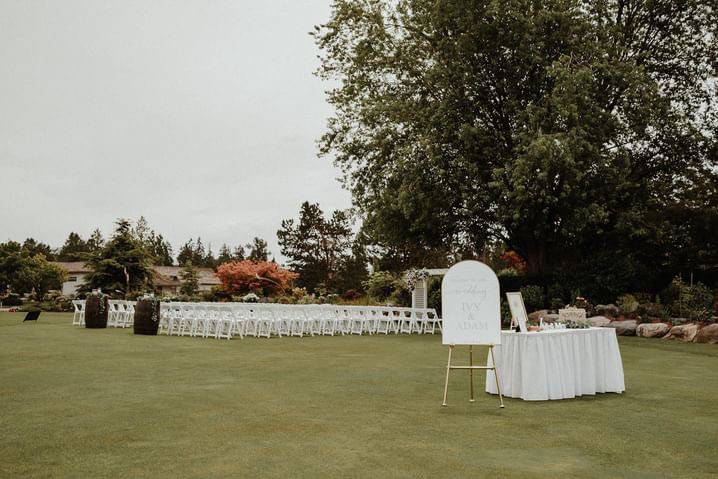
(164, 275)
(172, 276)
(73, 266)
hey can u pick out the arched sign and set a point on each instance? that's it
(471, 305)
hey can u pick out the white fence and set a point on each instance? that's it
(227, 320)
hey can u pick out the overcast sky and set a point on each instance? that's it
(200, 115)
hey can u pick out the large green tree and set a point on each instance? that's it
(122, 265)
(74, 249)
(23, 269)
(154, 243)
(553, 126)
(258, 250)
(321, 249)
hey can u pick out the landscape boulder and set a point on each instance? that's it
(541, 313)
(598, 321)
(624, 328)
(707, 334)
(684, 332)
(652, 330)
(547, 316)
(610, 310)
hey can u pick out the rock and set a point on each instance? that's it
(547, 316)
(624, 328)
(652, 330)
(610, 310)
(598, 321)
(684, 332)
(707, 334)
(542, 313)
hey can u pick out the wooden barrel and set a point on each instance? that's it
(96, 317)
(144, 312)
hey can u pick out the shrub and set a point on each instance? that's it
(685, 301)
(261, 277)
(652, 310)
(400, 297)
(628, 303)
(557, 303)
(533, 297)
(12, 300)
(380, 285)
(351, 295)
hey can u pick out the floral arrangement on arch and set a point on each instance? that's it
(413, 276)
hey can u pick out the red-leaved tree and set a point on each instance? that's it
(260, 277)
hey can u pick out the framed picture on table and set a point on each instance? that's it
(518, 310)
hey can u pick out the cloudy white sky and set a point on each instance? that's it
(200, 115)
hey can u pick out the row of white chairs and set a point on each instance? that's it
(226, 320)
(120, 314)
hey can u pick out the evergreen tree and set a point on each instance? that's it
(95, 242)
(32, 248)
(74, 249)
(190, 280)
(258, 250)
(238, 254)
(120, 266)
(320, 249)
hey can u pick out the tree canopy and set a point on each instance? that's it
(122, 265)
(24, 268)
(322, 249)
(560, 128)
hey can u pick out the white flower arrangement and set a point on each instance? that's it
(413, 276)
(250, 298)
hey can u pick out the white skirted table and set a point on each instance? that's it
(557, 364)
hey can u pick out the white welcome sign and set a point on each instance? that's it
(471, 305)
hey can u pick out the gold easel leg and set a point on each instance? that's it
(448, 369)
(496, 376)
(471, 372)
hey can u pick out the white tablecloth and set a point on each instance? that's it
(557, 364)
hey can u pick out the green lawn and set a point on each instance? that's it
(104, 403)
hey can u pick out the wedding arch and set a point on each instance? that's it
(417, 279)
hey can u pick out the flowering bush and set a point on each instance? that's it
(514, 261)
(259, 277)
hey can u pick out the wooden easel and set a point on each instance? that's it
(471, 368)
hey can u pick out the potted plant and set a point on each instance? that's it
(147, 315)
(96, 308)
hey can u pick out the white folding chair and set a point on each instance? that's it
(408, 323)
(264, 322)
(79, 313)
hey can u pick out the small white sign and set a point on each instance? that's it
(518, 309)
(471, 305)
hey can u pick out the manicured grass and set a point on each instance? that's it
(104, 403)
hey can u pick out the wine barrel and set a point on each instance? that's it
(96, 316)
(143, 322)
